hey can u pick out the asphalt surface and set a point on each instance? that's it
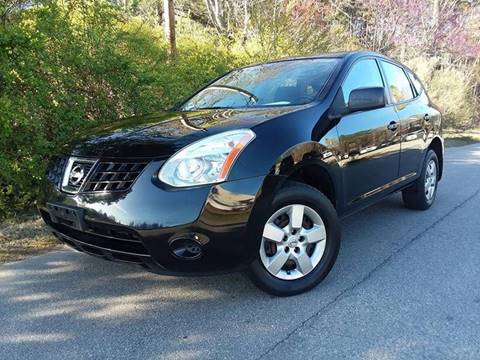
(406, 286)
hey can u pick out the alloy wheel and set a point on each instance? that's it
(430, 180)
(293, 242)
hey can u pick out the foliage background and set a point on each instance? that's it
(72, 64)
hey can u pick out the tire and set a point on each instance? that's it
(302, 241)
(422, 193)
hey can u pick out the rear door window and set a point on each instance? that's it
(397, 81)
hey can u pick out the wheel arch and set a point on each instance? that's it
(311, 163)
(437, 146)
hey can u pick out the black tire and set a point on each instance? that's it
(298, 193)
(415, 197)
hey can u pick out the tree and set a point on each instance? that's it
(217, 15)
(169, 26)
(411, 28)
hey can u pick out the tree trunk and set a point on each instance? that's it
(216, 14)
(169, 26)
(246, 18)
(435, 26)
(159, 6)
(436, 13)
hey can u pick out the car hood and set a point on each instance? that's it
(160, 135)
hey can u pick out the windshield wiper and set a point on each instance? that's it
(237, 89)
(252, 98)
(207, 108)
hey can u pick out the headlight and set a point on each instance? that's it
(206, 161)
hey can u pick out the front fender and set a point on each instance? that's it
(309, 152)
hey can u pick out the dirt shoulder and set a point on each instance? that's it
(21, 239)
(460, 138)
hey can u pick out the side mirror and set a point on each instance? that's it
(366, 99)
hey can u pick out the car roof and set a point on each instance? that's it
(344, 55)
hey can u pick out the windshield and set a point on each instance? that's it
(292, 82)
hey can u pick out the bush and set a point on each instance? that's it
(454, 94)
(64, 68)
(450, 89)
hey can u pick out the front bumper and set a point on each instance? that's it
(138, 225)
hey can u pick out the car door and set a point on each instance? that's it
(369, 140)
(413, 113)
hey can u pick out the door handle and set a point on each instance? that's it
(426, 117)
(392, 126)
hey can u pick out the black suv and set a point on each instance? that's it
(252, 171)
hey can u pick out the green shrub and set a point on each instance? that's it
(451, 89)
(64, 68)
(454, 94)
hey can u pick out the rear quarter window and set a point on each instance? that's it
(416, 83)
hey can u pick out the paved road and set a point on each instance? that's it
(406, 286)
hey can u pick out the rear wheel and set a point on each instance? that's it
(421, 194)
(299, 244)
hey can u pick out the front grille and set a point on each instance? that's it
(55, 171)
(110, 244)
(114, 231)
(79, 175)
(126, 241)
(113, 176)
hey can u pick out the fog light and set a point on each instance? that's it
(188, 247)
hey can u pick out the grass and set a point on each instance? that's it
(23, 238)
(460, 138)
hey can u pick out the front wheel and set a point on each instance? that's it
(299, 244)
